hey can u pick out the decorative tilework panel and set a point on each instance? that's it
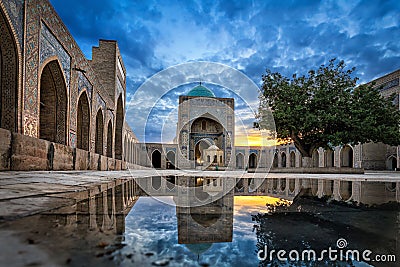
(255, 151)
(15, 10)
(50, 46)
(9, 77)
(240, 151)
(72, 139)
(30, 125)
(83, 83)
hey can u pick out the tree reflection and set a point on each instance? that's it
(310, 225)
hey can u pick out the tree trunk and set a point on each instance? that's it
(306, 162)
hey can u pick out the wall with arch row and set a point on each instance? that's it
(367, 156)
(374, 156)
(50, 91)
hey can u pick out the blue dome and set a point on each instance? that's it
(201, 91)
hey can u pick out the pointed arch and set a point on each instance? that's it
(53, 103)
(253, 160)
(9, 63)
(292, 159)
(346, 156)
(275, 161)
(83, 122)
(156, 159)
(171, 160)
(119, 124)
(283, 160)
(329, 158)
(99, 132)
(391, 163)
(109, 139)
(315, 158)
(239, 161)
(125, 148)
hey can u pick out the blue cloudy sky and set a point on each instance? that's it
(250, 36)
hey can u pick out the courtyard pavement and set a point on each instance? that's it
(28, 193)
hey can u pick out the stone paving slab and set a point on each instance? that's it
(26, 193)
(39, 188)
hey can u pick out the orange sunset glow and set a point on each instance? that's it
(253, 137)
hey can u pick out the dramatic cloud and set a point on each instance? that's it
(251, 36)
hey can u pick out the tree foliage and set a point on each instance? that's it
(326, 108)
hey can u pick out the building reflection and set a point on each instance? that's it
(85, 233)
(209, 223)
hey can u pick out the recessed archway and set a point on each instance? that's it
(283, 160)
(125, 148)
(253, 161)
(283, 184)
(83, 122)
(329, 158)
(346, 157)
(292, 159)
(239, 161)
(315, 158)
(346, 190)
(8, 76)
(53, 104)
(275, 161)
(119, 124)
(204, 132)
(99, 133)
(156, 159)
(171, 160)
(391, 163)
(109, 139)
(292, 185)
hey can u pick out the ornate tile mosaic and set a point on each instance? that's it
(83, 83)
(15, 10)
(50, 46)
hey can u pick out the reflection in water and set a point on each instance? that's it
(115, 226)
(310, 224)
(84, 234)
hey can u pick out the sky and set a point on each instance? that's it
(153, 224)
(248, 36)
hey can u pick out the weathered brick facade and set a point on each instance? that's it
(50, 91)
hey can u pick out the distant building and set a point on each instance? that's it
(205, 138)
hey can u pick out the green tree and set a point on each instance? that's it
(325, 108)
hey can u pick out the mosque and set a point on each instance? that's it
(62, 111)
(206, 137)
